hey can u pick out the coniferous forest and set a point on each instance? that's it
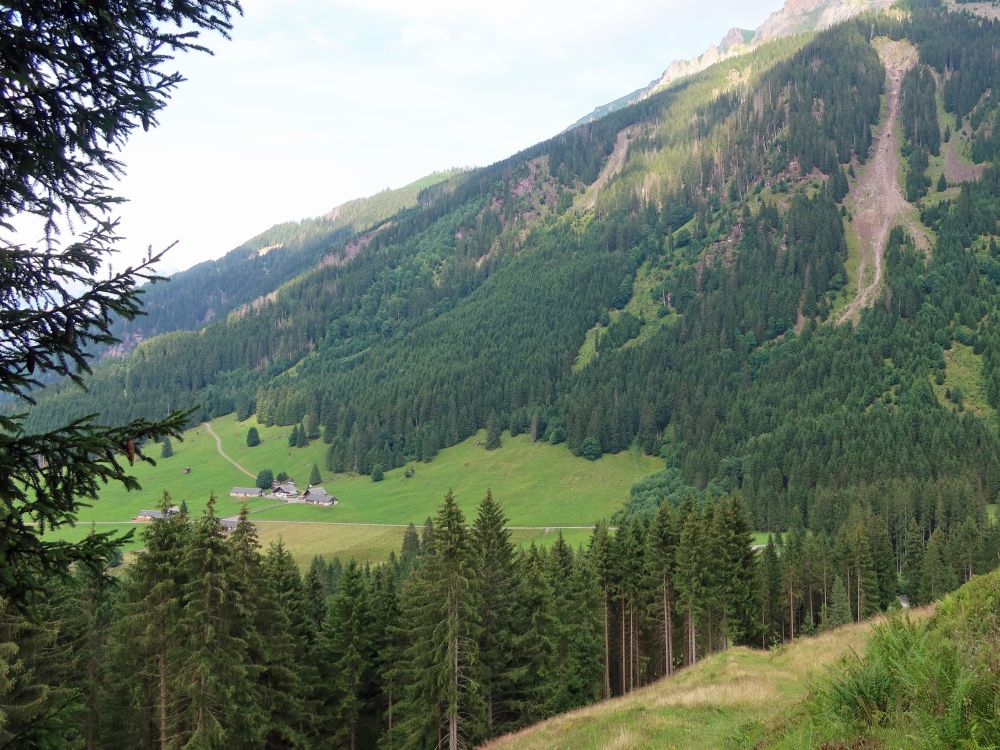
(206, 640)
(706, 277)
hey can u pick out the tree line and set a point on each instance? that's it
(208, 641)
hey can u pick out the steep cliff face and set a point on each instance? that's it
(796, 17)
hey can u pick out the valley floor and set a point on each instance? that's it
(544, 490)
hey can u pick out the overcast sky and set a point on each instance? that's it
(314, 102)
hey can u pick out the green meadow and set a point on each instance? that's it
(541, 487)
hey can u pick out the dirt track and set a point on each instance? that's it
(218, 447)
(876, 200)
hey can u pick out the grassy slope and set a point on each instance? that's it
(641, 305)
(717, 703)
(539, 485)
(964, 369)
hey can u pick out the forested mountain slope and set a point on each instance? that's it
(710, 271)
(683, 277)
(210, 290)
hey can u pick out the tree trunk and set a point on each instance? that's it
(691, 633)
(607, 647)
(668, 645)
(859, 593)
(623, 648)
(791, 613)
(162, 668)
(453, 710)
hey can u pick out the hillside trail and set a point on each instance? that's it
(876, 200)
(218, 447)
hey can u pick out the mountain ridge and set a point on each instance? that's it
(795, 17)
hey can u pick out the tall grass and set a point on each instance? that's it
(930, 684)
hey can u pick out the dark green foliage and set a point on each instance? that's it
(265, 479)
(493, 429)
(918, 111)
(937, 577)
(215, 680)
(352, 659)
(314, 476)
(167, 450)
(624, 328)
(442, 700)
(838, 610)
(535, 676)
(500, 674)
(253, 437)
(590, 449)
(79, 82)
(377, 474)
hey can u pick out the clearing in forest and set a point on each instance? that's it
(876, 200)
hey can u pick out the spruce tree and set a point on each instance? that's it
(559, 568)
(937, 577)
(837, 612)
(586, 646)
(253, 437)
(600, 555)
(691, 567)
(493, 429)
(913, 556)
(314, 477)
(791, 563)
(661, 552)
(966, 546)
(167, 451)
(38, 706)
(282, 581)
(497, 582)
(148, 632)
(736, 573)
(864, 580)
(349, 639)
(390, 636)
(772, 603)
(221, 704)
(441, 705)
(534, 676)
(271, 650)
(883, 558)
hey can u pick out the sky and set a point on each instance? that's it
(315, 102)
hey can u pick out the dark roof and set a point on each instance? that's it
(149, 514)
(246, 491)
(229, 523)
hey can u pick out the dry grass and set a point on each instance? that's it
(705, 706)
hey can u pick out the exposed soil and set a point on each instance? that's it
(611, 167)
(876, 200)
(956, 167)
(986, 10)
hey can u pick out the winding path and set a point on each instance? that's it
(218, 447)
(877, 201)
